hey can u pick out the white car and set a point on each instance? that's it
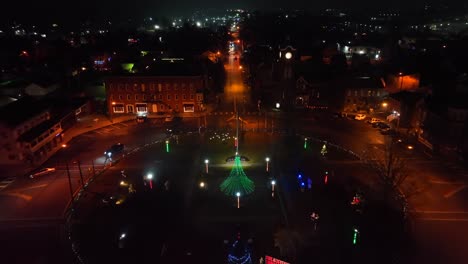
(360, 117)
(41, 172)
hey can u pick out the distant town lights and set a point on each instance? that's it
(157, 27)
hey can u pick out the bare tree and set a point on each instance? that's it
(389, 164)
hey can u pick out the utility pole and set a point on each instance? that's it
(81, 174)
(70, 185)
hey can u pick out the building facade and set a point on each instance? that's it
(151, 95)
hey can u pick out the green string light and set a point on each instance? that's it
(237, 181)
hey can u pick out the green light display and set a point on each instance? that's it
(237, 181)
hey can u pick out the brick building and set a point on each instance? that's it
(151, 95)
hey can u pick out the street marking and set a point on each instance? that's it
(446, 182)
(19, 195)
(32, 187)
(439, 212)
(445, 219)
(449, 194)
(6, 182)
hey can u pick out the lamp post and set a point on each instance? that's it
(238, 200)
(267, 163)
(401, 80)
(305, 143)
(167, 146)
(149, 176)
(206, 165)
(273, 183)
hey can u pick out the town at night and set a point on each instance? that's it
(234, 133)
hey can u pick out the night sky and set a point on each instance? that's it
(60, 9)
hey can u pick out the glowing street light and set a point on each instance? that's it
(273, 183)
(277, 105)
(267, 163)
(206, 165)
(167, 146)
(355, 236)
(384, 104)
(235, 142)
(238, 200)
(122, 236)
(202, 185)
(149, 176)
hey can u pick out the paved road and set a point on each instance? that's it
(32, 209)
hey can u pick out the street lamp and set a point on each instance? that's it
(149, 176)
(206, 165)
(202, 185)
(401, 79)
(288, 55)
(384, 104)
(273, 183)
(238, 200)
(267, 163)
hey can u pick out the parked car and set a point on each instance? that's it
(169, 119)
(360, 117)
(380, 125)
(41, 172)
(141, 119)
(388, 131)
(374, 120)
(114, 149)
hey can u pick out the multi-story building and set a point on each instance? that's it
(26, 132)
(150, 95)
(31, 130)
(363, 94)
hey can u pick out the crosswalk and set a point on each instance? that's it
(232, 113)
(4, 183)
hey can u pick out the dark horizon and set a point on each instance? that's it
(119, 10)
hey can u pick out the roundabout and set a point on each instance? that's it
(287, 198)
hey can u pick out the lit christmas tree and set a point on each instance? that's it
(237, 181)
(324, 149)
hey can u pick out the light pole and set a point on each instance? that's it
(273, 182)
(238, 200)
(305, 143)
(267, 163)
(149, 176)
(401, 80)
(167, 146)
(206, 165)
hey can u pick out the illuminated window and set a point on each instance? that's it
(118, 108)
(159, 87)
(141, 108)
(143, 87)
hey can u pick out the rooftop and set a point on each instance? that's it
(38, 130)
(21, 110)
